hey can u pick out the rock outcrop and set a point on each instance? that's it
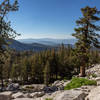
(24, 99)
(60, 84)
(94, 94)
(97, 79)
(95, 69)
(5, 95)
(33, 88)
(70, 95)
(18, 95)
(56, 86)
(36, 94)
(13, 87)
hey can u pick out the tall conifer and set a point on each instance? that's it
(86, 34)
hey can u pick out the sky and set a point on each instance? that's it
(48, 18)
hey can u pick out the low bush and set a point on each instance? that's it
(94, 75)
(29, 87)
(78, 82)
(48, 99)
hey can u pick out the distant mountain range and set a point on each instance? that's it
(18, 46)
(48, 41)
(38, 44)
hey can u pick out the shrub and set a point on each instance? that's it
(94, 75)
(78, 82)
(29, 87)
(48, 99)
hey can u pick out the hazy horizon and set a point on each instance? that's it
(46, 37)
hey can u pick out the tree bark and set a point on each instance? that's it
(82, 71)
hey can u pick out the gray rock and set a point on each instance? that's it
(29, 99)
(65, 83)
(70, 95)
(36, 94)
(27, 95)
(95, 69)
(13, 87)
(18, 95)
(23, 99)
(97, 79)
(60, 84)
(50, 89)
(50, 95)
(33, 88)
(94, 94)
(5, 95)
(57, 83)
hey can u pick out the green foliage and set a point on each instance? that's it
(94, 75)
(43, 67)
(78, 82)
(6, 32)
(47, 73)
(15, 72)
(29, 67)
(29, 87)
(48, 99)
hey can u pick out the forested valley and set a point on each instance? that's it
(29, 67)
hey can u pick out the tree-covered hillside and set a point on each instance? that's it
(46, 66)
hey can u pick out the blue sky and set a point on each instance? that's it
(48, 18)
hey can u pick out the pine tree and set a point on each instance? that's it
(15, 72)
(5, 29)
(86, 34)
(47, 73)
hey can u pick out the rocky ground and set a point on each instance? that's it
(56, 90)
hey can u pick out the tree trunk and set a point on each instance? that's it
(82, 71)
(2, 85)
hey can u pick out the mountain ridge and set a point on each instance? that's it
(48, 41)
(37, 45)
(18, 46)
